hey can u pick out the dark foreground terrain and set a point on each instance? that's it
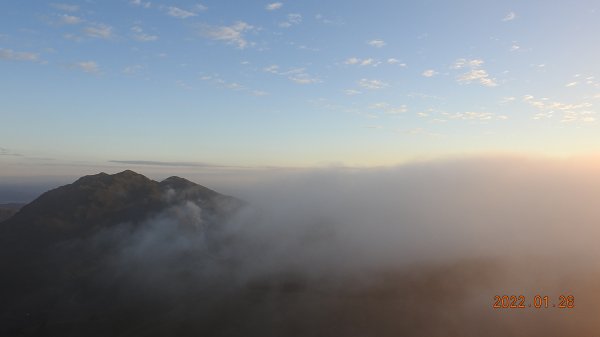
(8, 210)
(122, 255)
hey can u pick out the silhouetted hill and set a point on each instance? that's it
(58, 253)
(96, 201)
(8, 210)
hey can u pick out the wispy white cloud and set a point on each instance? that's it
(510, 16)
(508, 99)
(233, 34)
(141, 3)
(70, 19)
(133, 69)
(474, 116)
(86, 66)
(547, 109)
(65, 7)
(475, 74)
(423, 132)
(571, 84)
(292, 19)
(230, 85)
(274, 69)
(463, 63)
(362, 62)
(352, 92)
(179, 13)
(395, 61)
(99, 30)
(387, 108)
(376, 43)
(9, 54)
(273, 6)
(478, 75)
(321, 18)
(297, 75)
(259, 93)
(429, 73)
(515, 47)
(301, 77)
(372, 84)
(139, 35)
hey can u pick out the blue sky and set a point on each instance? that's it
(294, 83)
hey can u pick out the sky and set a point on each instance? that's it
(249, 84)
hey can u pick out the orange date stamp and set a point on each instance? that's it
(536, 302)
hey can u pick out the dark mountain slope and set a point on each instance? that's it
(8, 210)
(101, 200)
(66, 255)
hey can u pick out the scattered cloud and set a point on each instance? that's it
(352, 92)
(73, 37)
(99, 30)
(171, 163)
(9, 54)
(233, 34)
(274, 6)
(475, 74)
(510, 16)
(297, 75)
(463, 63)
(321, 18)
(65, 7)
(274, 69)
(361, 62)
(139, 35)
(70, 19)
(478, 75)
(133, 69)
(547, 109)
(141, 3)
(372, 84)
(508, 99)
(389, 109)
(395, 61)
(86, 66)
(429, 73)
(303, 78)
(515, 47)
(259, 93)
(179, 13)
(474, 116)
(221, 83)
(571, 84)
(376, 43)
(292, 19)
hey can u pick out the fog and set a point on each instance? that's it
(418, 249)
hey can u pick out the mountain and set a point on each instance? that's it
(8, 210)
(67, 256)
(96, 201)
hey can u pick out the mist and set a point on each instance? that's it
(418, 249)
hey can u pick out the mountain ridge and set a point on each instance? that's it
(99, 200)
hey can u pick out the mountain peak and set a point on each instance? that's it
(176, 182)
(102, 199)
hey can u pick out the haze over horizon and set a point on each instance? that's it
(216, 86)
